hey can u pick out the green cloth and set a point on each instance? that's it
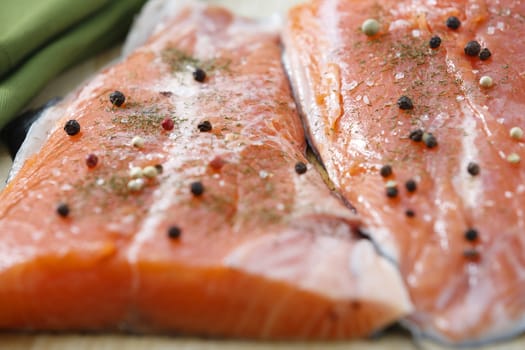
(41, 38)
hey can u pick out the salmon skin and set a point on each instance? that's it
(457, 230)
(15, 132)
(200, 213)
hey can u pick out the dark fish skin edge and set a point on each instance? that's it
(15, 132)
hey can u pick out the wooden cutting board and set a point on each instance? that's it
(65, 83)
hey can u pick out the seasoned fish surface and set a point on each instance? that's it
(184, 203)
(423, 138)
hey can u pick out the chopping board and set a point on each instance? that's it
(62, 85)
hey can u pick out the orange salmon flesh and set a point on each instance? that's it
(204, 216)
(257, 250)
(459, 235)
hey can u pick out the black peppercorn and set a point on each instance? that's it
(411, 185)
(197, 188)
(472, 48)
(473, 168)
(199, 75)
(72, 127)
(471, 234)
(63, 210)
(453, 22)
(117, 98)
(174, 232)
(405, 103)
(300, 168)
(386, 170)
(204, 126)
(391, 192)
(391, 189)
(416, 135)
(410, 213)
(485, 54)
(434, 42)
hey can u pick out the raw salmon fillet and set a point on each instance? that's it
(459, 237)
(228, 240)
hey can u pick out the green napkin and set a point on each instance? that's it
(40, 38)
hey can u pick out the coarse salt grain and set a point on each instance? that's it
(135, 172)
(138, 142)
(135, 185)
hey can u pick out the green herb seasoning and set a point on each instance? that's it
(179, 61)
(144, 122)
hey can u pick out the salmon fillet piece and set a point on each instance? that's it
(231, 238)
(458, 234)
